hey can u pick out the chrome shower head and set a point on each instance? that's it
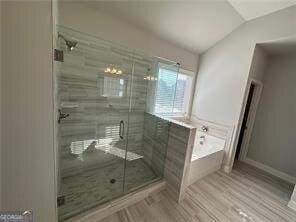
(70, 44)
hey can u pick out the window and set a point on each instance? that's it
(173, 92)
(183, 94)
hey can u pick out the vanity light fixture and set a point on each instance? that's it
(107, 70)
(113, 70)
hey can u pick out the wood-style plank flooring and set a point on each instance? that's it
(246, 194)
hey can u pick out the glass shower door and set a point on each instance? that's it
(147, 132)
(93, 99)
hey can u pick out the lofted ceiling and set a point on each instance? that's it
(250, 9)
(195, 25)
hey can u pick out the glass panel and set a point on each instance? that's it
(93, 88)
(147, 133)
(109, 140)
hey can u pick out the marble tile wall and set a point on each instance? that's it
(178, 159)
(169, 145)
(156, 132)
(97, 101)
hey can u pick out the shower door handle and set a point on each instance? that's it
(121, 129)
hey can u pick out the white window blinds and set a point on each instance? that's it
(173, 92)
(165, 91)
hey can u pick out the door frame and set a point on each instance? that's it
(251, 117)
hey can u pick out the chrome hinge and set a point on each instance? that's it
(58, 55)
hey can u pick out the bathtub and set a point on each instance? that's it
(207, 156)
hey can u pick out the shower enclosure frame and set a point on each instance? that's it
(56, 125)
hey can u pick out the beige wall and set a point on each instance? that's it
(89, 20)
(224, 69)
(27, 109)
(273, 138)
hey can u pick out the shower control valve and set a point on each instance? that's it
(62, 116)
(204, 128)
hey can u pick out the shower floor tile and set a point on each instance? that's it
(92, 187)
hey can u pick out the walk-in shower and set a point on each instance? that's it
(107, 141)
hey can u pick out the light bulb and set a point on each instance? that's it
(107, 70)
(113, 71)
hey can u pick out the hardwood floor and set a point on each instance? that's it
(246, 194)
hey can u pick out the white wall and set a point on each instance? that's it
(224, 69)
(92, 21)
(27, 109)
(273, 138)
(259, 64)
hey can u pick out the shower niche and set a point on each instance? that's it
(108, 144)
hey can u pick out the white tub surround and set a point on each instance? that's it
(205, 145)
(207, 156)
(220, 131)
(209, 150)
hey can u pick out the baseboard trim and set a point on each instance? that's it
(292, 204)
(270, 170)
